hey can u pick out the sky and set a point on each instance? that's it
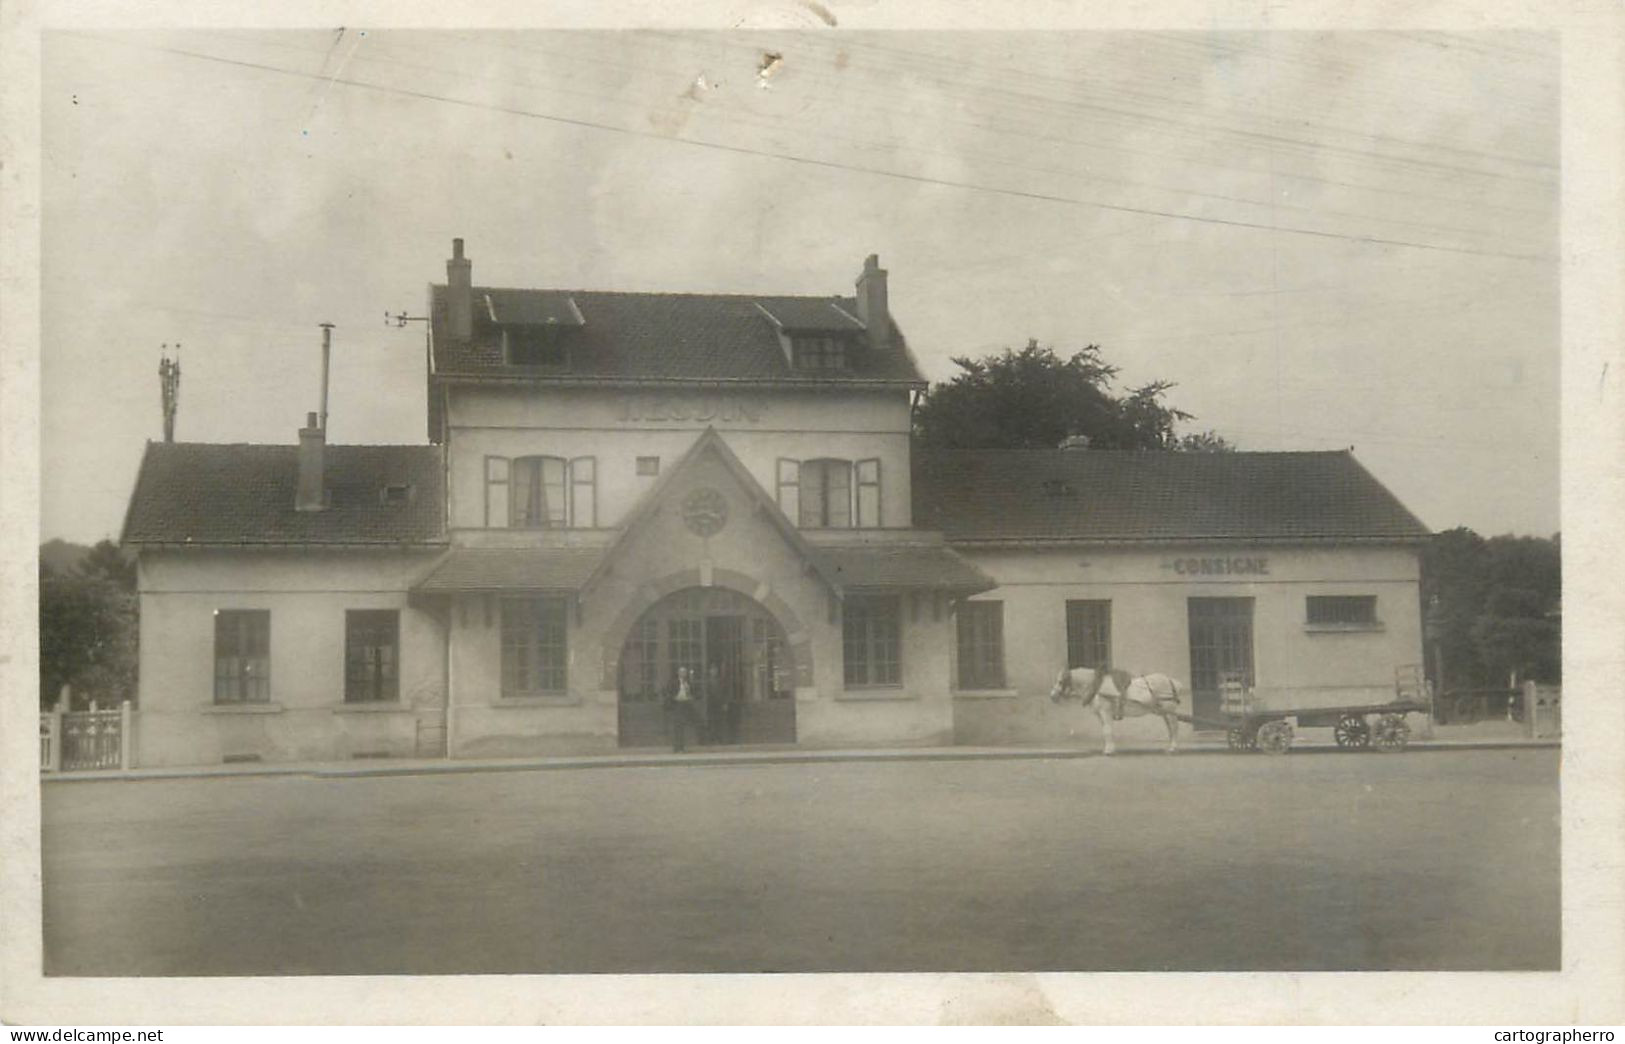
(1325, 239)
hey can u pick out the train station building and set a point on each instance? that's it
(619, 485)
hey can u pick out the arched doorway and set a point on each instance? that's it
(736, 650)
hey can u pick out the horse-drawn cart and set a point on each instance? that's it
(1266, 719)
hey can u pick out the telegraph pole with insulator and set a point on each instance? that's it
(327, 351)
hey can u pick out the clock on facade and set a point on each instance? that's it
(705, 511)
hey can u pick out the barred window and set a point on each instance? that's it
(871, 632)
(534, 650)
(372, 655)
(242, 656)
(1347, 610)
(981, 645)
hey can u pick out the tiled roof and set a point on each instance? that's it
(699, 337)
(812, 314)
(511, 569)
(1124, 495)
(904, 567)
(236, 494)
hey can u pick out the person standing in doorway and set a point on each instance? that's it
(681, 706)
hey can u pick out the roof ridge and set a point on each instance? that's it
(740, 295)
(295, 445)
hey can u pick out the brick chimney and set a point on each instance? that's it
(459, 294)
(312, 494)
(872, 307)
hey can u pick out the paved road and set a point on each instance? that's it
(1314, 861)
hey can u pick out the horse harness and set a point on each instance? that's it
(1121, 680)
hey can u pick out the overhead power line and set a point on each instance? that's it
(831, 164)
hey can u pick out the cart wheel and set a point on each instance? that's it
(1238, 739)
(1352, 732)
(1275, 737)
(1391, 733)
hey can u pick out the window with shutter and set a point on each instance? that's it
(868, 498)
(496, 492)
(584, 492)
(789, 488)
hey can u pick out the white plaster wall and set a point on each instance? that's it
(749, 546)
(919, 712)
(617, 427)
(307, 594)
(1294, 665)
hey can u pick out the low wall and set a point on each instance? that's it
(211, 735)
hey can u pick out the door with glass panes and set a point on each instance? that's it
(1221, 635)
(735, 653)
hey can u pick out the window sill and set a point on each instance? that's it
(1365, 628)
(878, 694)
(243, 708)
(986, 694)
(373, 707)
(511, 702)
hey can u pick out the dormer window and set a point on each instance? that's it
(818, 352)
(535, 325)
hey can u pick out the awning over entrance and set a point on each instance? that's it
(468, 569)
(914, 567)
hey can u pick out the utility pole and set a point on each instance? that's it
(169, 383)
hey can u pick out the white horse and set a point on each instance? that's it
(1117, 694)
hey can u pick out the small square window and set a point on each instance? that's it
(648, 465)
(397, 496)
